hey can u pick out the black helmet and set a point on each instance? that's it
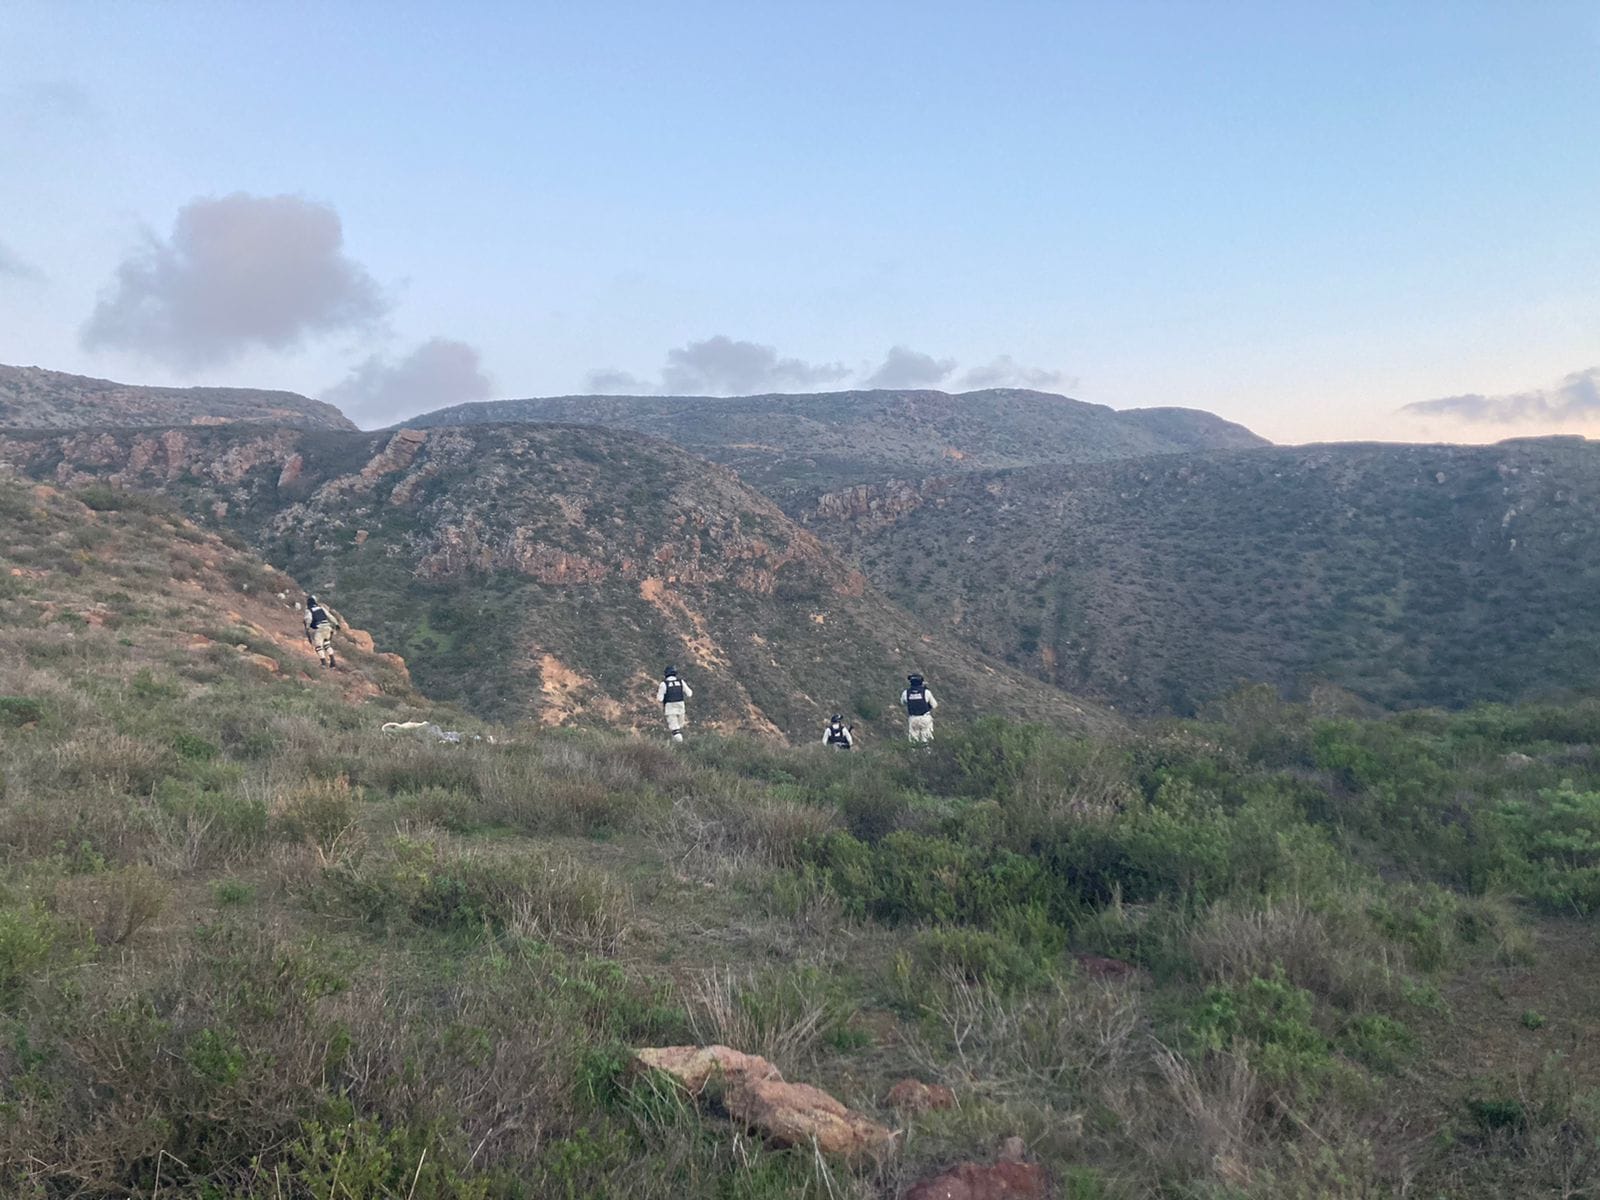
(310, 599)
(670, 672)
(913, 680)
(838, 719)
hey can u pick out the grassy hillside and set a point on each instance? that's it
(551, 572)
(33, 398)
(793, 446)
(1407, 574)
(251, 948)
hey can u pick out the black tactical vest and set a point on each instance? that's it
(838, 737)
(917, 702)
(319, 615)
(674, 691)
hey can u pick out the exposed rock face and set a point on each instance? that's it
(914, 1096)
(1008, 1179)
(756, 1095)
(873, 506)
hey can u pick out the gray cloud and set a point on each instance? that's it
(616, 383)
(721, 366)
(238, 273)
(1576, 396)
(1005, 371)
(14, 266)
(437, 373)
(903, 367)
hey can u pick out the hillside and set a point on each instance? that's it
(107, 585)
(550, 572)
(1407, 574)
(33, 398)
(253, 947)
(793, 446)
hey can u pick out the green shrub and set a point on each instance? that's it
(363, 1161)
(1377, 1041)
(30, 940)
(1557, 842)
(994, 960)
(193, 748)
(1272, 1019)
(232, 892)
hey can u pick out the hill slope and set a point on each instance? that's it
(33, 398)
(252, 947)
(792, 446)
(1409, 574)
(551, 572)
(103, 586)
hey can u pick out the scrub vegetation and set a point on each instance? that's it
(250, 946)
(1408, 575)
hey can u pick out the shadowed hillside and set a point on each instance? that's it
(1408, 574)
(792, 446)
(33, 398)
(552, 572)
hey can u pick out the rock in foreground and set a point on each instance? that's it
(755, 1094)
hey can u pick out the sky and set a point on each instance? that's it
(1328, 221)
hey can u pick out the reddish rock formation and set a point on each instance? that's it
(1010, 1178)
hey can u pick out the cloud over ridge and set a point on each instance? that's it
(238, 272)
(439, 372)
(1576, 397)
(724, 366)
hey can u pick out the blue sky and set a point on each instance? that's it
(1300, 216)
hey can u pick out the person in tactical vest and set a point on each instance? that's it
(837, 735)
(670, 694)
(919, 704)
(321, 624)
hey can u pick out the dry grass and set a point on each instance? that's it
(779, 1015)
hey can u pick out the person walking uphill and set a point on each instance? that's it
(837, 735)
(919, 704)
(321, 624)
(671, 694)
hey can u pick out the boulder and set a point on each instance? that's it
(695, 1066)
(797, 1114)
(912, 1095)
(753, 1092)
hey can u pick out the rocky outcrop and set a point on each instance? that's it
(754, 1094)
(873, 506)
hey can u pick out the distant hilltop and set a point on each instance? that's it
(800, 445)
(34, 398)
